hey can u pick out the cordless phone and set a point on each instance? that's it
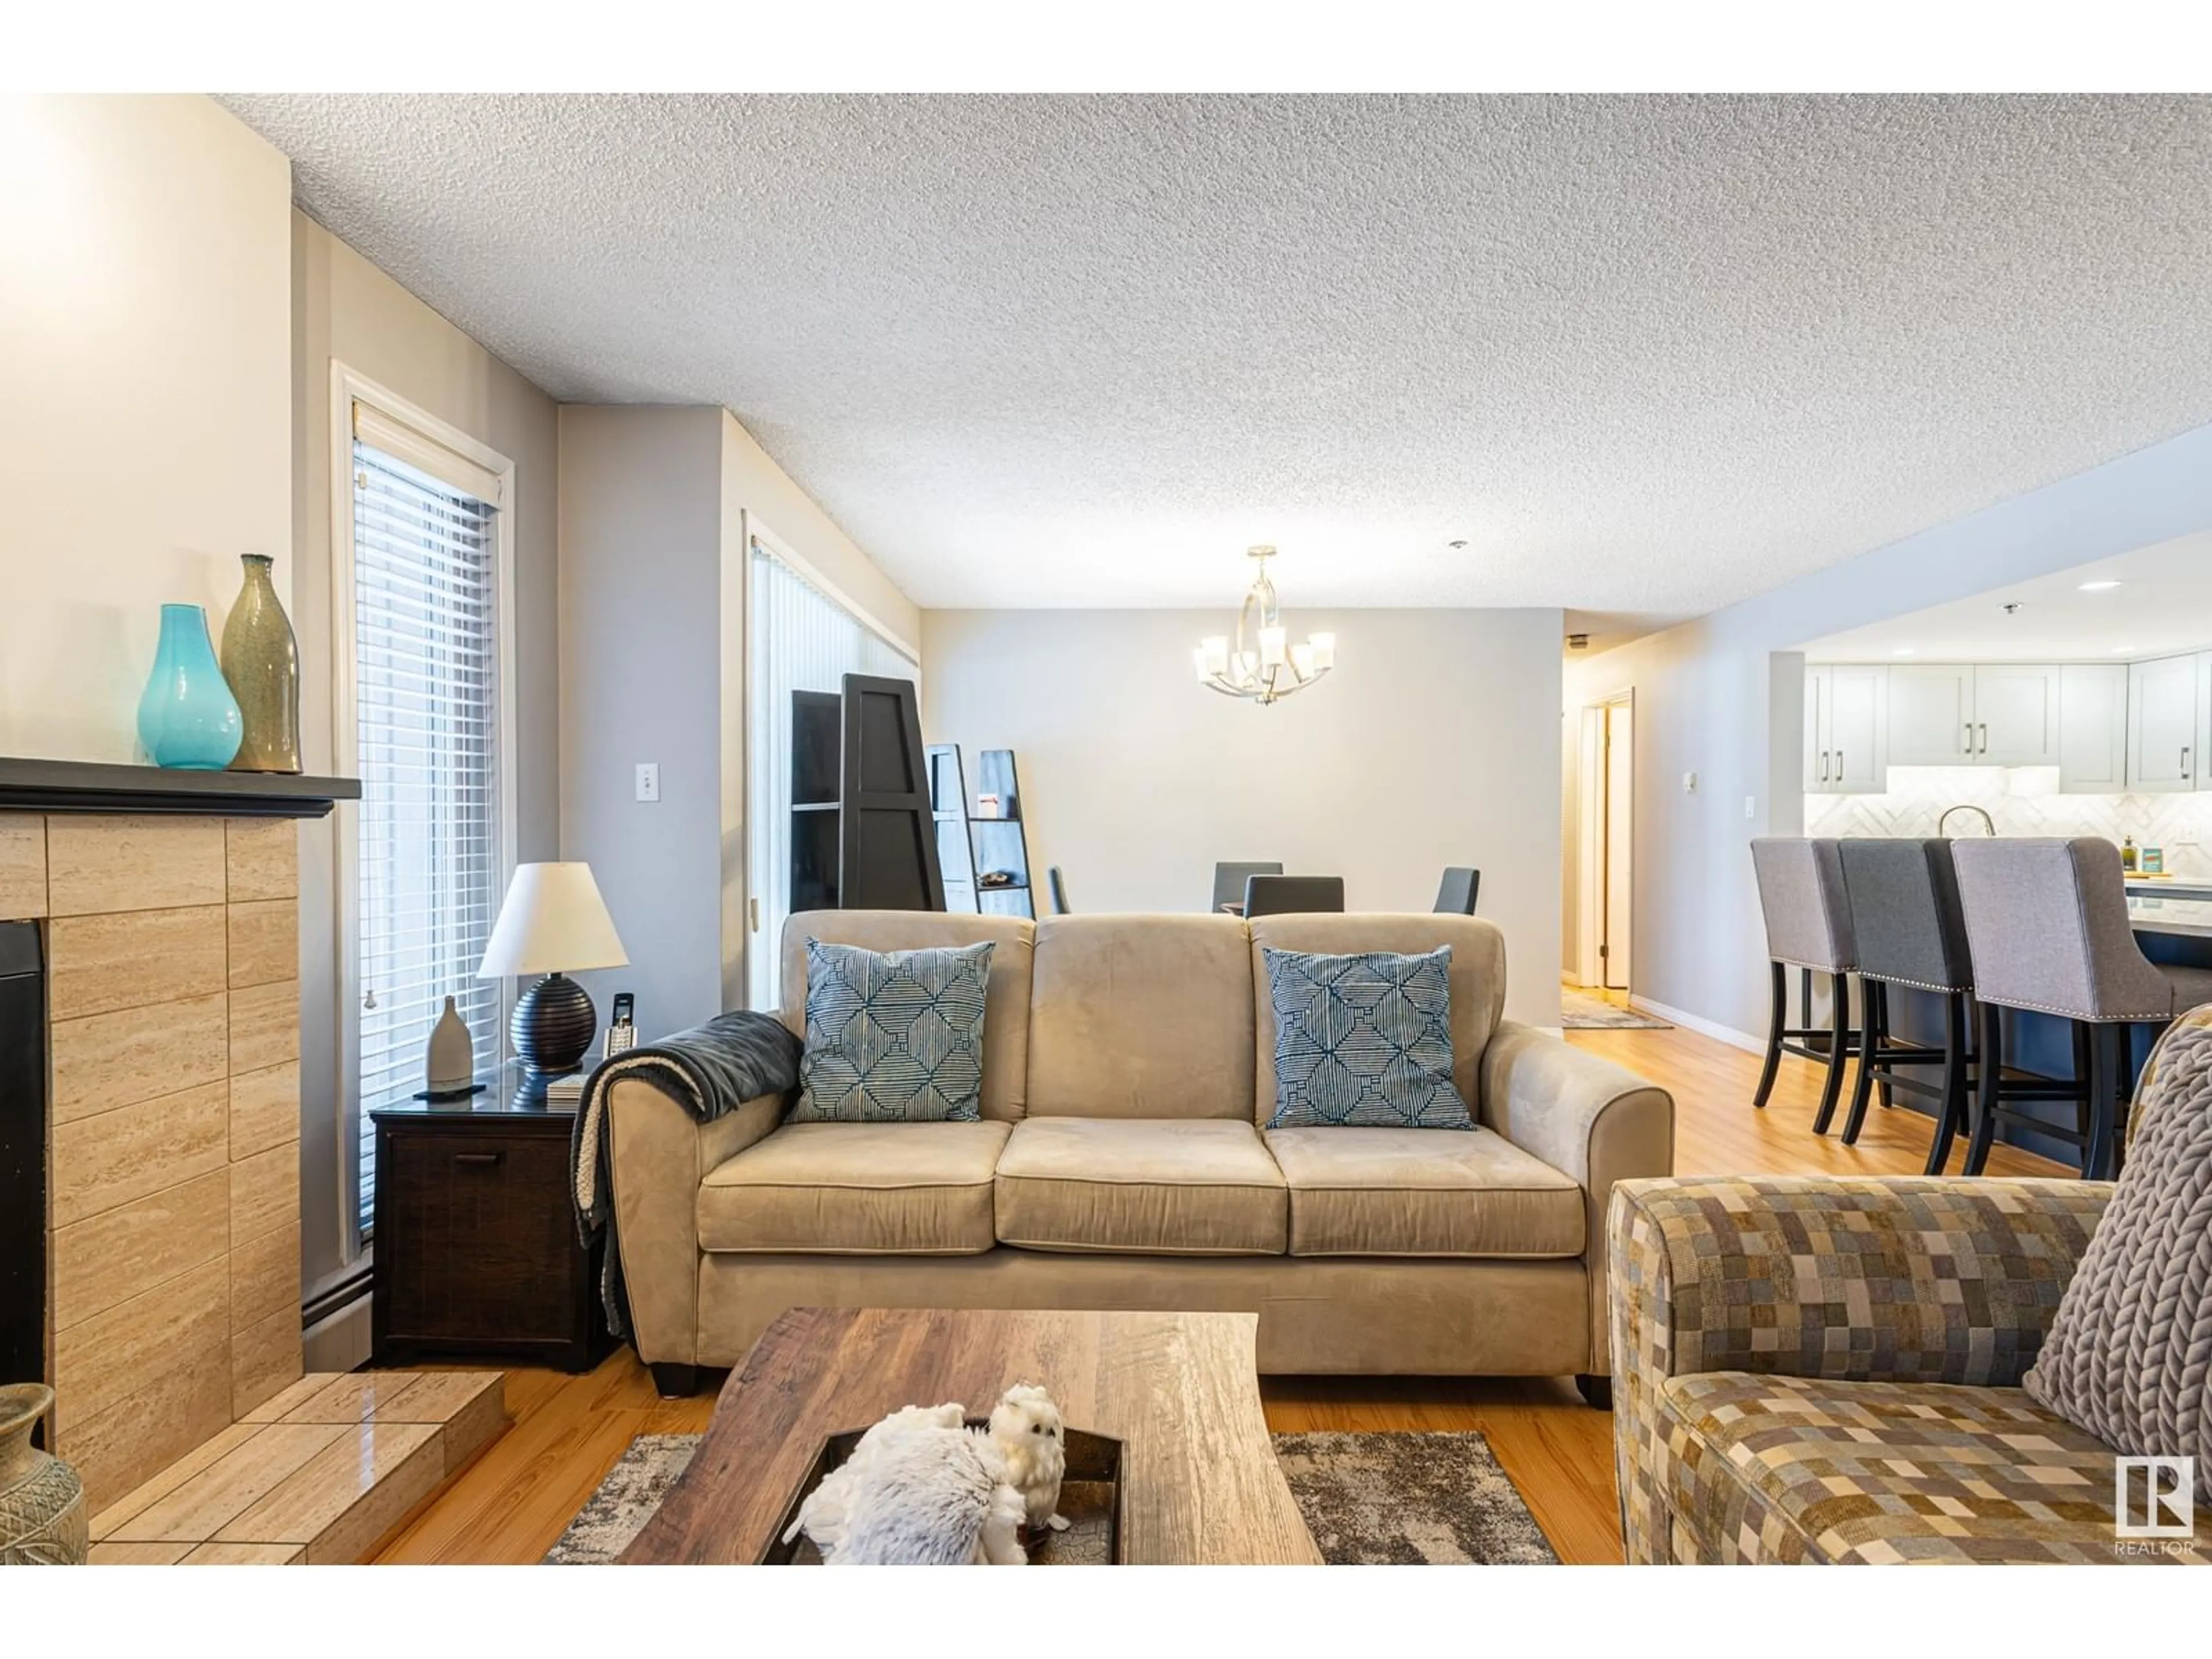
(622, 1035)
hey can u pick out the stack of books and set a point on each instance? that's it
(566, 1091)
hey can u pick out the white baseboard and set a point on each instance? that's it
(342, 1341)
(1713, 1028)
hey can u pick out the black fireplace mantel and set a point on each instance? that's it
(51, 785)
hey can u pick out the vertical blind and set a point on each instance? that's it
(426, 656)
(800, 639)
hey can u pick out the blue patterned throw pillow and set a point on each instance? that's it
(1364, 1040)
(893, 1037)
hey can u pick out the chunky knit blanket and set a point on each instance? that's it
(709, 1070)
(2130, 1354)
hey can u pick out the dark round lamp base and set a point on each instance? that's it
(552, 1026)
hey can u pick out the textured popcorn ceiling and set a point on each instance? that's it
(1644, 354)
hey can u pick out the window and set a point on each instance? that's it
(802, 639)
(429, 852)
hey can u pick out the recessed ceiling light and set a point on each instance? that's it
(1902, 651)
(2122, 650)
(2099, 588)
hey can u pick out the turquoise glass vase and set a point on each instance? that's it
(188, 719)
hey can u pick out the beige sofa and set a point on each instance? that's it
(1120, 1162)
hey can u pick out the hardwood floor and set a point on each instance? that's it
(512, 1504)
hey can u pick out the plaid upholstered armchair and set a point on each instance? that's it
(1817, 1369)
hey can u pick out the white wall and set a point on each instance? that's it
(1434, 741)
(145, 396)
(346, 309)
(1723, 697)
(654, 509)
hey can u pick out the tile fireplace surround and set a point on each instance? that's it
(171, 1236)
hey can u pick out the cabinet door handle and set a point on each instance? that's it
(476, 1160)
(1824, 766)
(1839, 766)
(1985, 736)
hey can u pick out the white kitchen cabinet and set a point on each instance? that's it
(2165, 703)
(2093, 728)
(2200, 756)
(2016, 713)
(1846, 730)
(1931, 714)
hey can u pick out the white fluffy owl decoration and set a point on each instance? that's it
(1025, 1426)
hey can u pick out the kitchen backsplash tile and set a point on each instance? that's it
(2022, 801)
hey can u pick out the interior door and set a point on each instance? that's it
(1619, 839)
(2162, 709)
(2016, 713)
(1931, 714)
(1857, 730)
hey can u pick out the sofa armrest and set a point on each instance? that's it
(660, 1153)
(1921, 1278)
(1587, 1118)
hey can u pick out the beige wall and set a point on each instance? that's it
(1434, 741)
(344, 309)
(145, 398)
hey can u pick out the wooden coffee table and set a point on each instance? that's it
(1201, 1484)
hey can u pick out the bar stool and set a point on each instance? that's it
(2047, 925)
(1909, 930)
(1808, 926)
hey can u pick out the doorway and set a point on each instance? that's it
(1607, 839)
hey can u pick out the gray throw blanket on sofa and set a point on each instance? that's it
(709, 1070)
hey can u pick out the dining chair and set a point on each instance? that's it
(1058, 891)
(2048, 926)
(1902, 895)
(1277, 896)
(1808, 926)
(1228, 881)
(1455, 897)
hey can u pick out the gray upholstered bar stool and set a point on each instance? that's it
(2047, 924)
(1908, 929)
(1808, 928)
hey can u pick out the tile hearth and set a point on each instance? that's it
(315, 1475)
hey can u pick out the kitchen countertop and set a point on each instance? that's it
(2190, 917)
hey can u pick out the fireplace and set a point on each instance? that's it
(149, 1101)
(22, 1153)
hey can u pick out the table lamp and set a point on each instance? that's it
(552, 922)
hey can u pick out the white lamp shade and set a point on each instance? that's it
(553, 922)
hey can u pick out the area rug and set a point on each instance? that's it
(1369, 1500)
(1581, 1011)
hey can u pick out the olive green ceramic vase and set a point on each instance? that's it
(261, 660)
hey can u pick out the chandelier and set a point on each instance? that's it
(1263, 666)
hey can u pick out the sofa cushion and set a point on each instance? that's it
(1141, 1017)
(1477, 979)
(1364, 1039)
(1414, 1192)
(2125, 1358)
(1784, 1469)
(1006, 998)
(856, 1189)
(1165, 1187)
(893, 1037)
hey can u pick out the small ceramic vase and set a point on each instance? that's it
(261, 661)
(452, 1054)
(42, 1518)
(187, 718)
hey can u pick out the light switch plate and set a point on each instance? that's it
(648, 780)
(1689, 783)
(1751, 807)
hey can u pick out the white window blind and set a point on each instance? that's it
(426, 658)
(801, 640)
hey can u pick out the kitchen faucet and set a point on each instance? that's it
(1988, 822)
